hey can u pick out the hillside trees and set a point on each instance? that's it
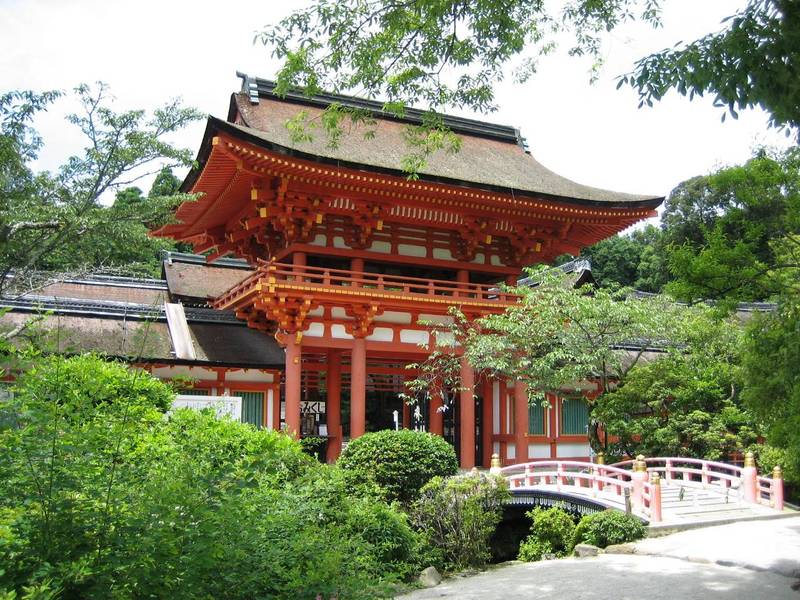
(51, 220)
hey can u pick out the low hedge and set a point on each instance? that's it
(400, 462)
(609, 527)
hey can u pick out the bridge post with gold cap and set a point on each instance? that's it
(777, 488)
(496, 465)
(750, 479)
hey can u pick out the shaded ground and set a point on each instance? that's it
(752, 560)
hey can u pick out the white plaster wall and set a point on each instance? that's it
(572, 450)
(382, 334)
(249, 375)
(439, 319)
(319, 240)
(538, 451)
(270, 409)
(391, 316)
(511, 451)
(338, 242)
(379, 246)
(412, 250)
(338, 332)
(315, 330)
(496, 408)
(413, 336)
(337, 312)
(442, 254)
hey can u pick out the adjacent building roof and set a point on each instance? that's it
(190, 279)
(492, 157)
(95, 315)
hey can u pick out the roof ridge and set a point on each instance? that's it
(256, 87)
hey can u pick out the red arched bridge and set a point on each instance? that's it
(664, 490)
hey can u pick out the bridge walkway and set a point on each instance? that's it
(665, 491)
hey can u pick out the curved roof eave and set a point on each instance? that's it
(215, 125)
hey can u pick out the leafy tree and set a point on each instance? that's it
(165, 184)
(633, 260)
(559, 337)
(102, 495)
(48, 220)
(734, 234)
(770, 359)
(687, 403)
(453, 52)
(753, 61)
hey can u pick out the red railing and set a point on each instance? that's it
(694, 472)
(279, 274)
(603, 482)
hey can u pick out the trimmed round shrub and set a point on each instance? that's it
(609, 527)
(552, 532)
(400, 462)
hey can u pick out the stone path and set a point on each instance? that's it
(750, 560)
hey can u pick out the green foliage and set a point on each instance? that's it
(634, 260)
(768, 457)
(733, 234)
(559, 337)
(58, 220)
(400, 52)
(750, 62)
(457, 517)
(314, 446)
(89, 380)
(101, 495)
(552, 532)
(609, 527)
(686, 403)
(771, 355)
(400, 462)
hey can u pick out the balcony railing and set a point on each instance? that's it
(287, 276)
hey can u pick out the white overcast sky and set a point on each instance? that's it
(152, 51)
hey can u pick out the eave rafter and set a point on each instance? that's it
(289, 196)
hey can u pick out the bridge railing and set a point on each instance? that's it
(598, 481)
(693, 472)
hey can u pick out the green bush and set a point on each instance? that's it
(400, 462)
(458, 516)
(314, 446)
(552, 532)
(139, 505)
(609, 527)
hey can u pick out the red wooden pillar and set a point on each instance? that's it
(358, 388)
(406, 415)
(467, 419)
(333, 405)
(435, 416)
(293, 366)
(520, 422)
(487, 417)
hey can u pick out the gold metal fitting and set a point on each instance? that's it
(639, 465)
(749, 460)
(601, 458)
(496, 461)
(655, 478)
(777, 472)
